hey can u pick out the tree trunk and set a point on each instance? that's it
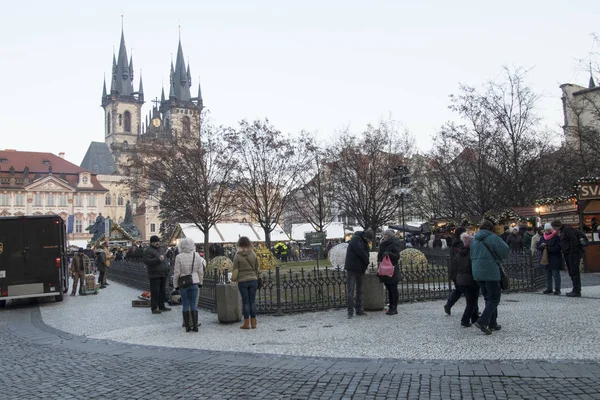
(206, 247)
(267, 239)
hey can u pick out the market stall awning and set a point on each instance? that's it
(230, 232)
(335, 230)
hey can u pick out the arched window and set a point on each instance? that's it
(127, 121)
(107, 200)
(108, 123)
(120, 200)
(186, 126)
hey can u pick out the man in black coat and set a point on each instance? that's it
(158, 269)
(572, 251)
(357, 261)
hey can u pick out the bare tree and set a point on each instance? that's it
(190, 180)
(266, 167)
(363, 172)
(312, 199)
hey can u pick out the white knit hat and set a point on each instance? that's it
(548, 226)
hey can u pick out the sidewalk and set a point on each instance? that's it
(535, 327)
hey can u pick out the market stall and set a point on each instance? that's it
(588, 194)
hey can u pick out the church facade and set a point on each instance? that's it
(176, 115)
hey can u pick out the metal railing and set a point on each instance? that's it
(287, 291)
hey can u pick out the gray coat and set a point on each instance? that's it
(156, 268)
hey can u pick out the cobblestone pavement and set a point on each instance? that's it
(40, 361)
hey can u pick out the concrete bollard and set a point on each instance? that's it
(373, 293)
(229, 303)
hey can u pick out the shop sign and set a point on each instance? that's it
(558, 208)
(589, 191)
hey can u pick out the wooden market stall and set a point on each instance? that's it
(588, 193)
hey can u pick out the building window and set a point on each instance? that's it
(152, 228)
(91, 222)
(107, 200)
(78, 226)
(127, 121)
(78, 200)
(108, 123)
(186, 126)
(91, 200)
(19, 200)
(120, 200)
(37, 200)
(4, 199)
(50, 199)
(62, 200)
(120, 119)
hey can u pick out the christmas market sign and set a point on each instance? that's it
(558, 208)
(589, 191)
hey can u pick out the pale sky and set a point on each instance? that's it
(313, 65)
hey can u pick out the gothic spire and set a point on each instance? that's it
(104, 95)
(162, 95)
(180, 83)
(123, 76)
(141, 90)
(200, 101)
(591, 84)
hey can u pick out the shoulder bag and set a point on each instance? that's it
(504, 282)
(186, 281)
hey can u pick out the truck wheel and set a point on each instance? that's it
(60, 297)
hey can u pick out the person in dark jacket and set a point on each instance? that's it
(390, 246)
(357, 261)
(504, 236)
(515, 241)
(527, 237)
(100, 263)
(156, 264)
(572, 251)
(456, 247)
(462, 274)
(487, 251)
(550, 258)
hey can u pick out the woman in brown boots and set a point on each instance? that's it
(245, 273)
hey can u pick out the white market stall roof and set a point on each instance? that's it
(230, 232)
(335, 230)
(78, 243)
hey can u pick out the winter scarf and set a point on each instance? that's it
(549, 236)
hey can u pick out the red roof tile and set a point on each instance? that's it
(35, 162)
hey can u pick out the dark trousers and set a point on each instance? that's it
(573, 260)
(454, 296)
(550, 274)
(355, 280)
(392, 289)
(101, 279)
(157, 292)
(248, 292)
(471, 294)
(491, 293)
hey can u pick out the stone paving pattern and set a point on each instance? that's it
(41, 361)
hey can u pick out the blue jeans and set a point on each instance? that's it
(491, 293)
(552, 273)
(189, 297)
(248, 291)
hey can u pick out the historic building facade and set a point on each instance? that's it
(581, 109)
(33, 183)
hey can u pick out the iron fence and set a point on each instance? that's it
(287, 291)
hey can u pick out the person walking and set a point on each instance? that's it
(550, 258)
(390, 247)
(188, 262)
(356, 263)
(572, 251)
(245, 273)
(487, 251)
(456, 247)
(462, 273)
(78, 270)
(156, 264)
(101, 265)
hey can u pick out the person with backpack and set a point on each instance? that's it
(572, 250)
(550, 258)
(390, 247)
(461, 272)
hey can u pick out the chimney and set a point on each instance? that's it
(61, 154)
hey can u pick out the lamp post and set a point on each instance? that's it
(402, 182)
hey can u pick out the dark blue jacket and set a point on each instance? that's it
(485, 267)
(554, 251)
(357, 255)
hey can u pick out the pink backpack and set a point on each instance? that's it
(386, 268)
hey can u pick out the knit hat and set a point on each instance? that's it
(154, 239)
(548, 226)
(80, 250)
(466, 239)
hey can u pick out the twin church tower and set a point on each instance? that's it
(177, 115)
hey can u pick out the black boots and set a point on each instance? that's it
(186, 321)
(195, 321)
(392, 310)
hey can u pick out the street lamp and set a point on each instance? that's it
(538, 220)
(402, 182)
